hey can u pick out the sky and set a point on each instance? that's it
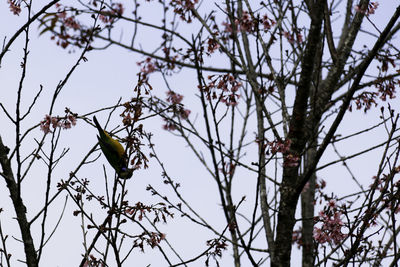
(107, 76)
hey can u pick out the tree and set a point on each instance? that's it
(271, 85)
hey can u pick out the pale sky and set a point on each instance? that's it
(107, 76)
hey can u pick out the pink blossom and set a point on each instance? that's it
(184, 8)
(280, 146)
(71, 23)
(45, 124)
(169, 126)
(177, 108)
(228, 26)
(372, 6)
(227, 87)
(332, 204)
(246, 23)
(299, 38)
(184, 114)
(56, 121)
(118, 8)
(147, 66)
(267, 22)
(331, 229)
(72, 119)
(174, 98)
(291, 37)
(15, 6)
(212, 45)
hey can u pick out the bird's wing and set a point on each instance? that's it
(107, 141)
(113, 151)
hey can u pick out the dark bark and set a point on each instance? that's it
(288, 193)
(307, 213)
(20, 209)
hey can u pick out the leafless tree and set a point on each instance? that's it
(273, 81)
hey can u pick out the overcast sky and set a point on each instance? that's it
(106, 76)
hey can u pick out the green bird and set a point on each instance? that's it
(114, 152)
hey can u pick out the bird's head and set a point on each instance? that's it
(125, 173)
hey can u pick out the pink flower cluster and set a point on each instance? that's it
(92, 261)
(228, 26)
(177, 109)
(67, 21)
(246, 23)
(15, 6)
(185, 4)
(366, 100)
(218, 244)
(169, 125)
(387, 88)
(212, 45)
(174, 98)
(67, 25)
(71, 23)
(227, 85)
(51, 121)
(291, 160)
(249, 24)
(372, 6)
(108, 17)
(293, 37)
(331, 229)
(184, 8)
(140, 211)
(267, 22)
(155, 239)
(150, 238)
(147, 66)
(279, 146)
(296, 238)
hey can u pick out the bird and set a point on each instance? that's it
(114, 152)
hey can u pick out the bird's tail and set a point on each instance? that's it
(96, 122)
